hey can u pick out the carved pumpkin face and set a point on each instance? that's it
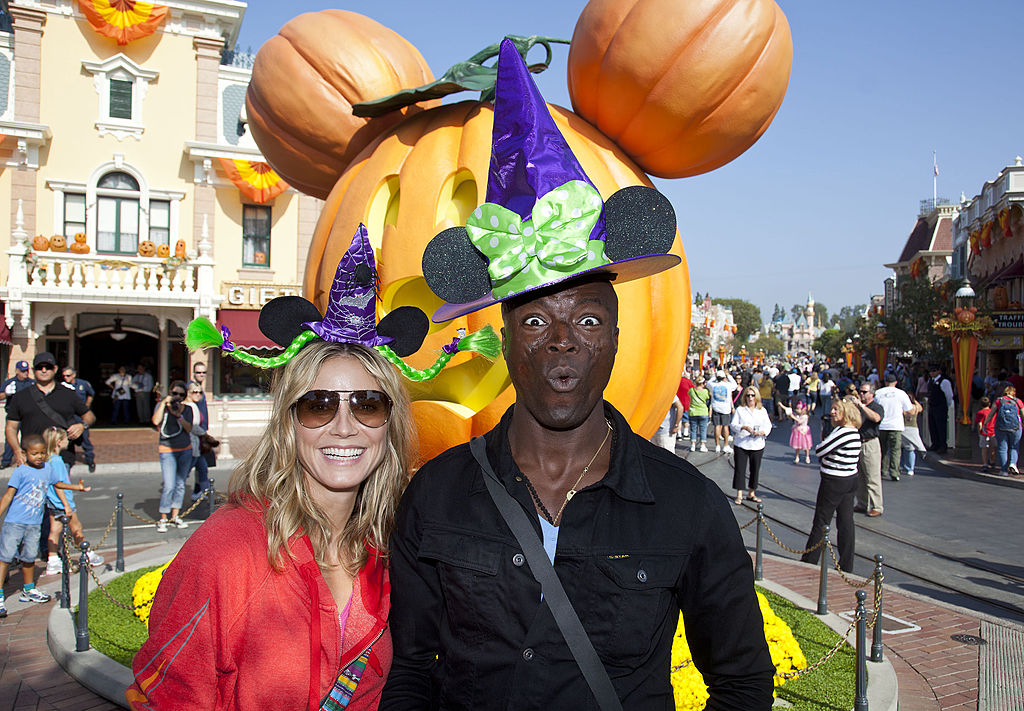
(163, 251)
(40, 243)
(147, 248)
(179, 249)
(685, 96)
(79, 247)
(965, 315)
(260, 258)
(58, 244)
(80, 237)
(430, 173)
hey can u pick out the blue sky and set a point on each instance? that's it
(831, 190)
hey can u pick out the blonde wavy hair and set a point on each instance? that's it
(851, 413)
(271, 481)
(751, 390)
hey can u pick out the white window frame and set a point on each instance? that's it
(120, 67)
(145, 194)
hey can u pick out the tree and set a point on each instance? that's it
(697, 299)
(769, 342)
(909, 327)
(848, 316)
(830, 343)
(796, 311)
(698, 342)
(745, 315)
(821, 314)
(778, 314)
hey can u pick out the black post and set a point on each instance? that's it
(876, 636)
(823, 577)
(119, 563)
(860, 699)
(65, 565)
(759, 556)
(82, 628)
(211, 499)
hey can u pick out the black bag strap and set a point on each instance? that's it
(554, 594)
(40, 400)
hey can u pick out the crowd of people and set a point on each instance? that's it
(868, 423)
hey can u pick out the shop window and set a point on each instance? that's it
(256, 236)
(74, 215)
(237, 378)
(160, 221)
(121, 85)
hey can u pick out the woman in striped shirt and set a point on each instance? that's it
(837, 456)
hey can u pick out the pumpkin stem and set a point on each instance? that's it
(470, 75)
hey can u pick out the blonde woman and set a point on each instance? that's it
(838, 455)
(287, 585)
(750, 426)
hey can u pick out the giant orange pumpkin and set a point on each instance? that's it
(430, 173)
(681, 87)
(304, 82)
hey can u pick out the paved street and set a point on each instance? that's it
(948, 538)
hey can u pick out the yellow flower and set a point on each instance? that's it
(144, 591)
(691, 694)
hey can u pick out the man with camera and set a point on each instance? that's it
(173, 419)
(46, 404)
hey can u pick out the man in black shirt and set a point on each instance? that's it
(46, 404)
(869, 468)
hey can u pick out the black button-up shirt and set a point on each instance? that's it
(653, 537)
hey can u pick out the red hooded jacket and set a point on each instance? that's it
(227, 631)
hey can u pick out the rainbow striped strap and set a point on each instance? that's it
(345, 686)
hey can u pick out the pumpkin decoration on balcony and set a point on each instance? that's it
(682, 90)
(78, 246)
(179, 249)
(147, 248)
(58, 243)
(260, 258)
(40, 243)
(304, 82)
(163, 251)
(429, 172)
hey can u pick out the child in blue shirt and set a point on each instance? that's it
(25, 502)
(57, 502)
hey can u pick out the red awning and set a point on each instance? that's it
(5, 333)
(244, 327)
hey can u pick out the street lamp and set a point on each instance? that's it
(881, 347)
(847, 350)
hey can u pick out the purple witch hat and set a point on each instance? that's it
(351, 309)
(544, 221)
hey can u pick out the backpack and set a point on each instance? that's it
(1007, 415)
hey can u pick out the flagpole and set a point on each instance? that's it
(935, 179)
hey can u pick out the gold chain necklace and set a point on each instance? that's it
(572, 491)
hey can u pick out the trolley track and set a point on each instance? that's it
(1016, 610)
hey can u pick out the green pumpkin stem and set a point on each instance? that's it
(470, 75)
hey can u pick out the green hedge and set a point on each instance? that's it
(114, 631)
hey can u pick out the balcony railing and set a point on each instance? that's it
(56, 275)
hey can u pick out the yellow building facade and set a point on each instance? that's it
(123, 221)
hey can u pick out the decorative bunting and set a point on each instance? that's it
(975, 242)
(986, 235)
(123, 20)
(1004, 221)
(255, 179)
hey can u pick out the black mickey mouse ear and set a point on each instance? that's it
(638, 221)
(408, 325)
(281, 319)
(454, 269)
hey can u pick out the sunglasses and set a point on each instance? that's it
(45, 366)
(371, 408)
(864, 392)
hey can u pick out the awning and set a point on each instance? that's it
(1013, 269)
(244, 327)
(5, 333)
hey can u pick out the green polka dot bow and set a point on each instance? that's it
(552, 245)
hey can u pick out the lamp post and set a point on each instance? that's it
(743, 354)
(857, 353)
(721, 356)
(847, 350)
(760, 356)
(964, 327)
(881, 348)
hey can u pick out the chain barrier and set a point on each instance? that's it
(75, 567)
(186, 512)
(784, 547)
(749, 523)
(842, 574)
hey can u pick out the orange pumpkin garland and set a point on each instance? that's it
(682, 88)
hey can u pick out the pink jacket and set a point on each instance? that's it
(228, 632)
